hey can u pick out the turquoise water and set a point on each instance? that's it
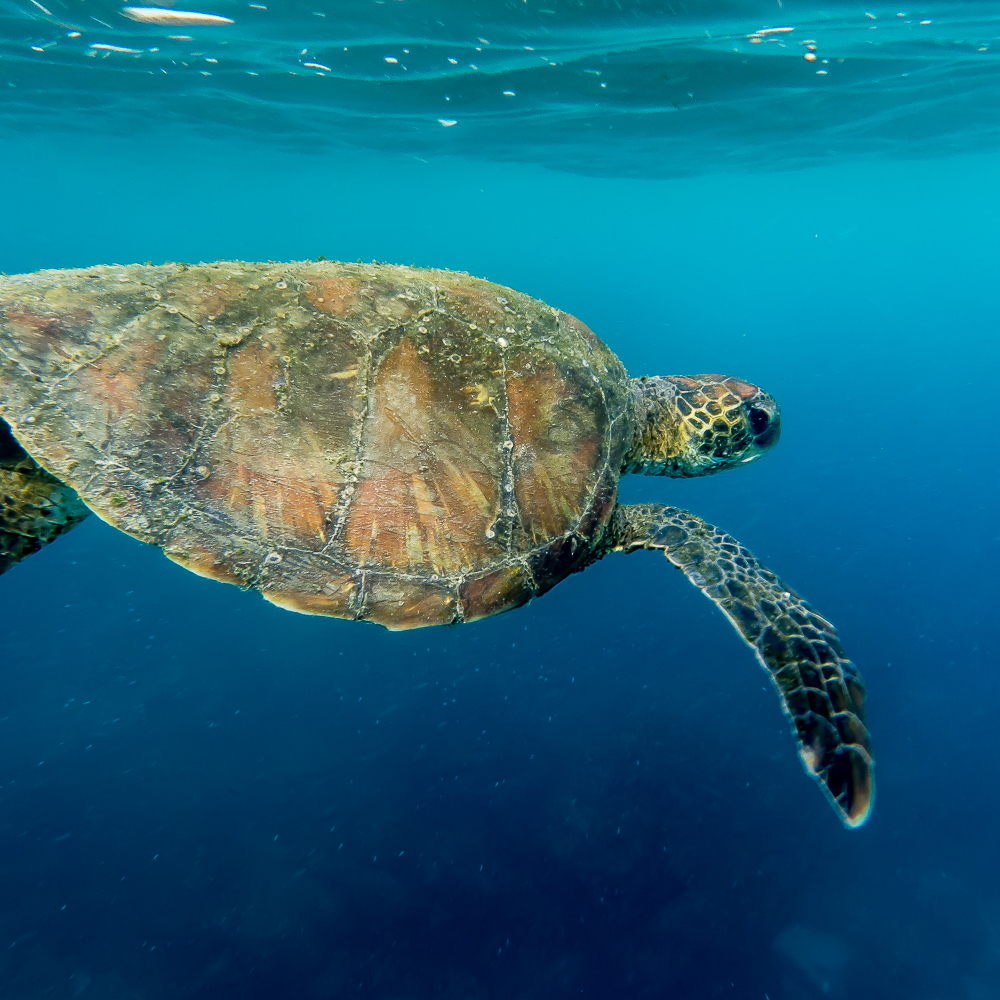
(205, 796)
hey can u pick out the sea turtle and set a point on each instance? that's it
(397, 445)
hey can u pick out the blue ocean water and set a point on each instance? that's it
(202, 795)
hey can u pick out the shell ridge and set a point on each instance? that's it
(507, 483)
(372, 365)
(338, 515)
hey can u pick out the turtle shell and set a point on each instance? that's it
(406, 446)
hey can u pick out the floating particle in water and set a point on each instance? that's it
(101, 47)
(162, 15)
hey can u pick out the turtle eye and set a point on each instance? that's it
(759, 420)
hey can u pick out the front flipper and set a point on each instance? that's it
(820, 688)
(35, 507)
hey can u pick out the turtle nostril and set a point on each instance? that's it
(759, 420)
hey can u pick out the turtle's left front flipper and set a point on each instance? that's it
(35, 507)
(820, 688)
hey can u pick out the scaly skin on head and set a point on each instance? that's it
(696, 425)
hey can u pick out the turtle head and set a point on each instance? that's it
(694, 425)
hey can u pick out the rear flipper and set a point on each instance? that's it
(820, 688)
(35, 507)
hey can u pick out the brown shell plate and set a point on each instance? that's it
(406, 446)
